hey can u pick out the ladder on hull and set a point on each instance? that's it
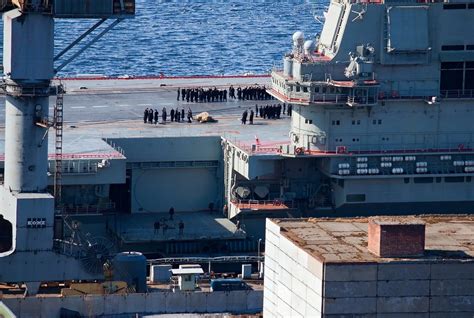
(58, 126)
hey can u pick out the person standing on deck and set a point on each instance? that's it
(181, 227)
(179, 92)
(163, 115)
(177, 115)
(172, 114)
(190, 115)
(145, 116)
(182, 114)
(244, 117)
(150, 116)
(171, 213)
(156, 116)
(156, 226)
(251, 117)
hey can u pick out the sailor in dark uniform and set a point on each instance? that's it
(179, 92)
(145, 116)
(156, 116)
(244, 117)
(163, 115)
(190, 115)
(251, 117)
(182, 114)
(150, 116)
(172, 114)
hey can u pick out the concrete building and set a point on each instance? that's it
(370, 267)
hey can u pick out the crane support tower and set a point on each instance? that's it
(27, 247)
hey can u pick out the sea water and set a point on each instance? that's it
(183, 38)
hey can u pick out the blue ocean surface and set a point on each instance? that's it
(181, 38)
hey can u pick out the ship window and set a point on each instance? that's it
(308, 121)
(454, 6)
(316, 89)
(470, 47)
(355, 198)
(305, 89)
(6, 235)
(324, 89)
(470, 65)
(452, 48)
(338, 122)
(380, 122)
(423, 180)
(453, 179)
(470, 6)
(468, 179)
(374, 121)
(438, 179)
(452, 75)
(452, 65)
(297, 88)
(469, 79)
(406, 180)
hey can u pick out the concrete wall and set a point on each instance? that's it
(293, 278)
(238, 302)
(298, 285)
(399, 290)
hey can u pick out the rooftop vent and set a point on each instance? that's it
(396, 237)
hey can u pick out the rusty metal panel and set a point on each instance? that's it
(83, 8)
(93, 8)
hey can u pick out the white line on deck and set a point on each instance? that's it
(100, 106)
(78, 107)
(143, 104)
(124, 105)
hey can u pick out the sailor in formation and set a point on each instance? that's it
(152, 116)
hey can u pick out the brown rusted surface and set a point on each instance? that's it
(345, 240)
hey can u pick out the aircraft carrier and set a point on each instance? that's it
(380, 125)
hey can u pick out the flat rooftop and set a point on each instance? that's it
(344, 240)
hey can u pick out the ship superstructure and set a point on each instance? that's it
(382, 112)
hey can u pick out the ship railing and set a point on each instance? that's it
(172, 232)
(68, 248)
(87, 208)
(279, 203)
(262, 148)
(390, 149)
(76, 166)
(457, 93)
